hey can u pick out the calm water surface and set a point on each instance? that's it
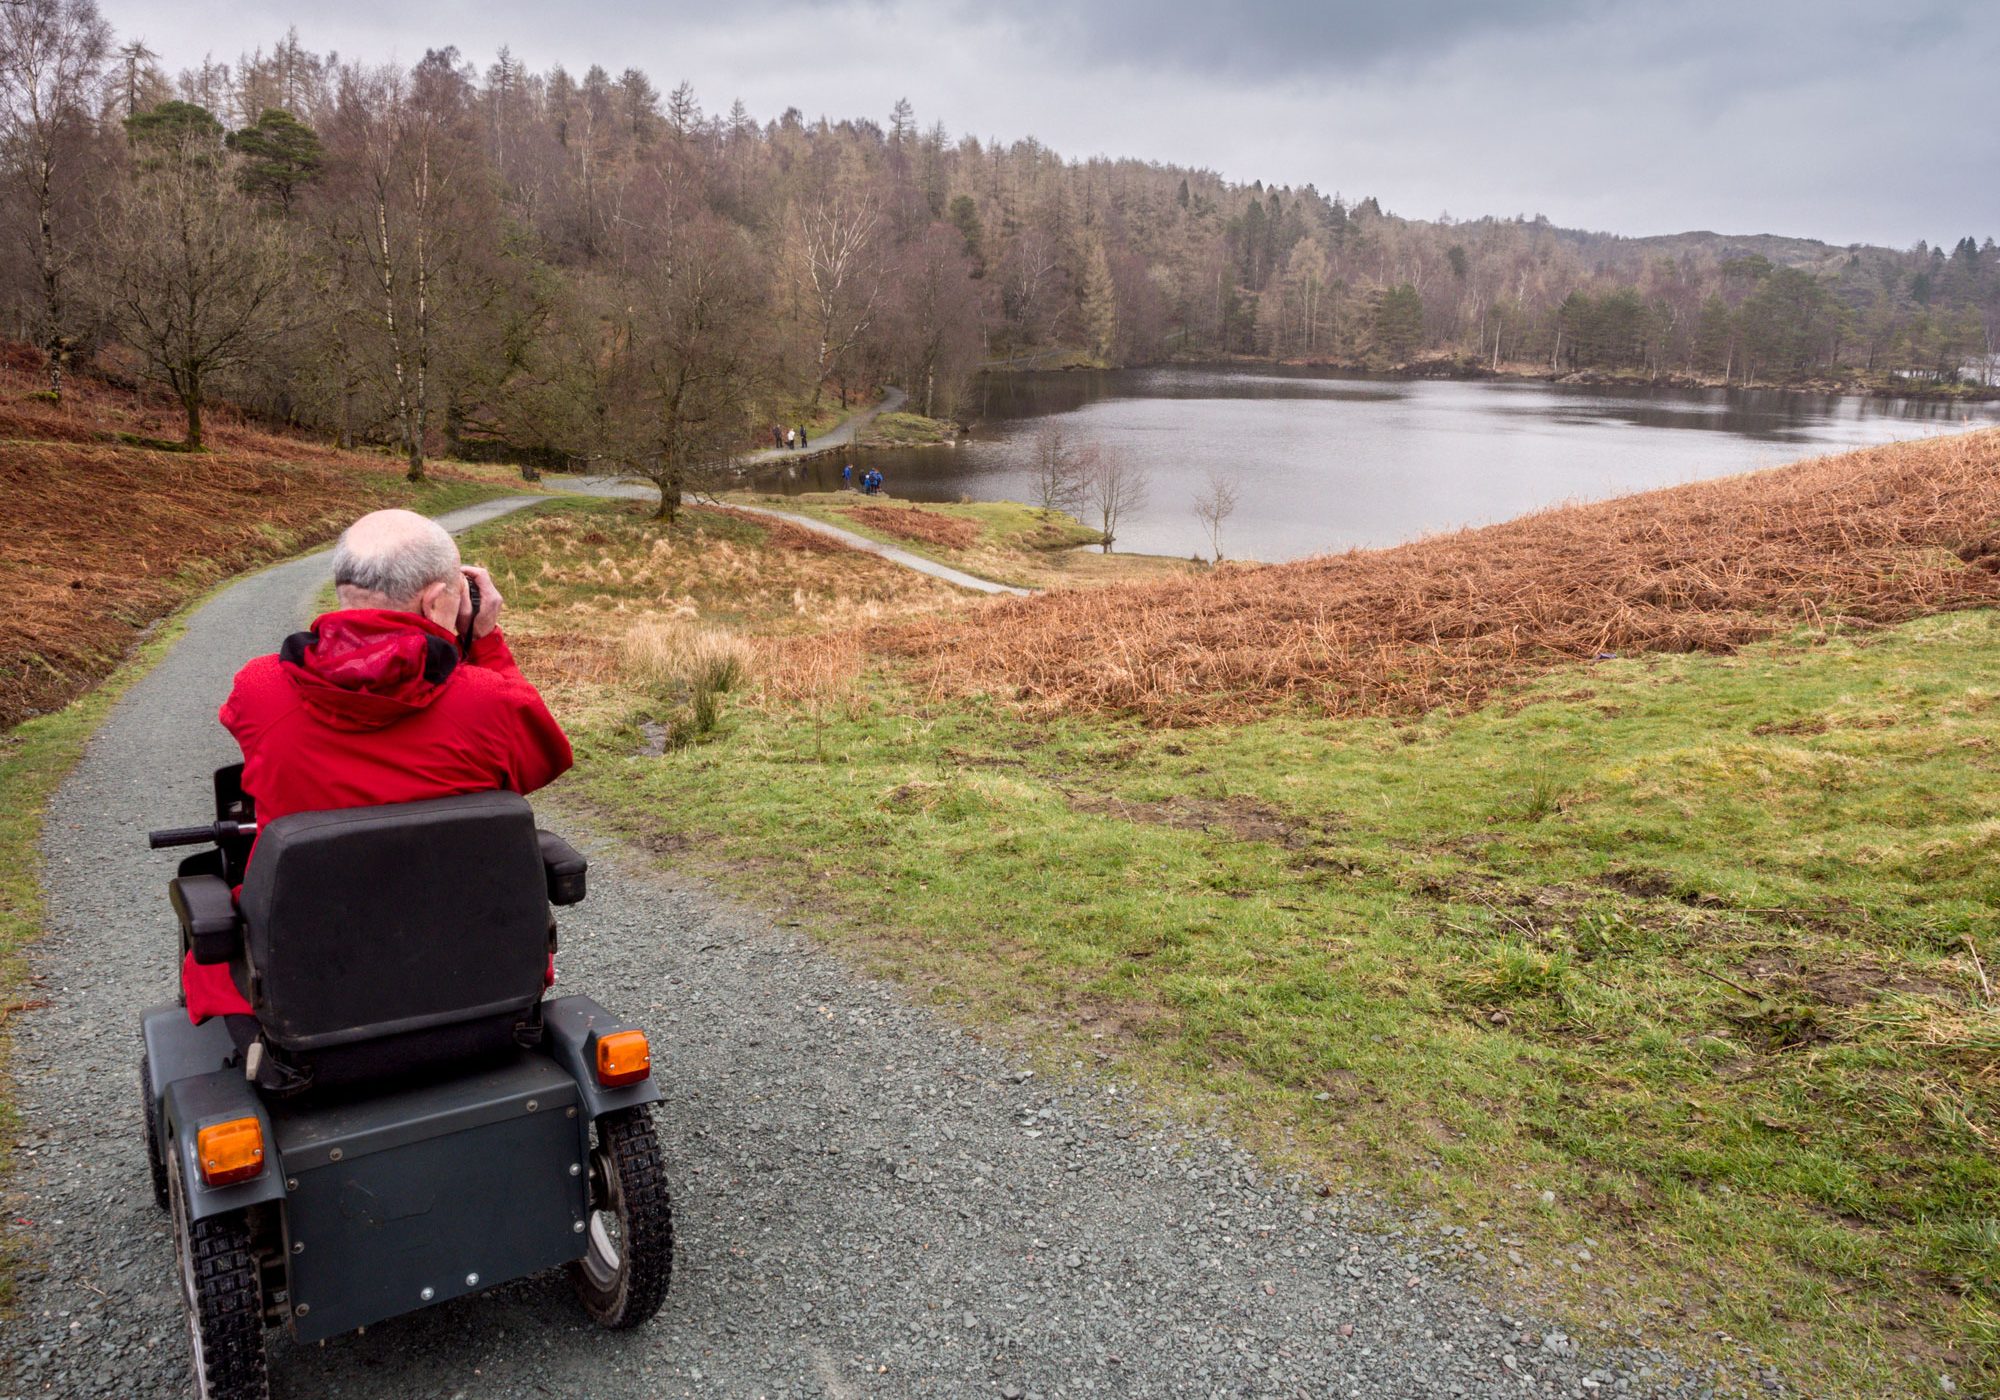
(1325, 462)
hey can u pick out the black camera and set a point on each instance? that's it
(472, 617)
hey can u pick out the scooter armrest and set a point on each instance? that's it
(210, 926)
(565, 868)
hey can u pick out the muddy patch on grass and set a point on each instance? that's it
(1238, 818)
(1810, 724)
(1847, 983)
(1640, 881)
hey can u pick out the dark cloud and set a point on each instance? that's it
(1281, 37)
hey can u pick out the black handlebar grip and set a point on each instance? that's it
(180, 836)
(199, 835)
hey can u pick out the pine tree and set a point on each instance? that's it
(1098, 298)
(965, 218)
(1399, 323)
(280, 153)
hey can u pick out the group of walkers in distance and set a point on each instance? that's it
(790, 439)
(871, 480)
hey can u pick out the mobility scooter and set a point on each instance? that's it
(406, 1120)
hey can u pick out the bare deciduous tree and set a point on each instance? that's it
(933, 328)
(1213, 504)
(52, 56)
(686, 343)
(1118, 487)
(1061, 466)
(195, 279)
(401, 152)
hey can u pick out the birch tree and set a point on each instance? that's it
(52, 56)
(1061, 467)
(838, 283)
(1213, 505)
(402, 140)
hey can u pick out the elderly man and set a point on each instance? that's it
(403, 693)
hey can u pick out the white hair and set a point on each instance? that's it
(396, 566)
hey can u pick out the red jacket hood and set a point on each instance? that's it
(366, 668)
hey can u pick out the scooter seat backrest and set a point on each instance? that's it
(377, 922)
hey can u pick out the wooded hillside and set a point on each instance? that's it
(482, 258)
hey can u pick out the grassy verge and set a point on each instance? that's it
(1000, 540)
(35, 757)
(1670, 979)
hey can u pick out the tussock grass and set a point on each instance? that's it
(609, 609)
(679, 661)
(676, 654)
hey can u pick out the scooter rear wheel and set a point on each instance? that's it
(223, 1297)
(623, 1277)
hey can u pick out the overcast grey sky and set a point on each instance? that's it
(1830, 119)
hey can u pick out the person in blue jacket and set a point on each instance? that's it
(847, 477)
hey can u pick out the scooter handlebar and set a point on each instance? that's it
(199, 835)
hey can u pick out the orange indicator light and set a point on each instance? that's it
(623, 1057)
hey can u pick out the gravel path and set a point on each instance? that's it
(841, 436)
(892, 553)
(870, 1202)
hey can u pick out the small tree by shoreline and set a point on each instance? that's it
(1214, 504)
(1117, 487)
(1063, 469)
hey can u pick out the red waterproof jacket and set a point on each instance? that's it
(372, 707)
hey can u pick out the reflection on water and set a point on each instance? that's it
(1327, 462)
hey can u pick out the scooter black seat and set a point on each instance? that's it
(382, 941)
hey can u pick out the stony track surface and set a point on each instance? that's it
(870, 1203)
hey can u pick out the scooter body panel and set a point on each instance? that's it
(572, 1025)
(195, 1102)
(399, 1200)
(175, 1049)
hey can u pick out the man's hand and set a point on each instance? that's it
(489, 602)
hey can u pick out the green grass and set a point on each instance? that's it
(1002, 524)
(1686, 941)
(432, 496)
(908, 430)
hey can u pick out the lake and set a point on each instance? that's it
(1325, 462)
